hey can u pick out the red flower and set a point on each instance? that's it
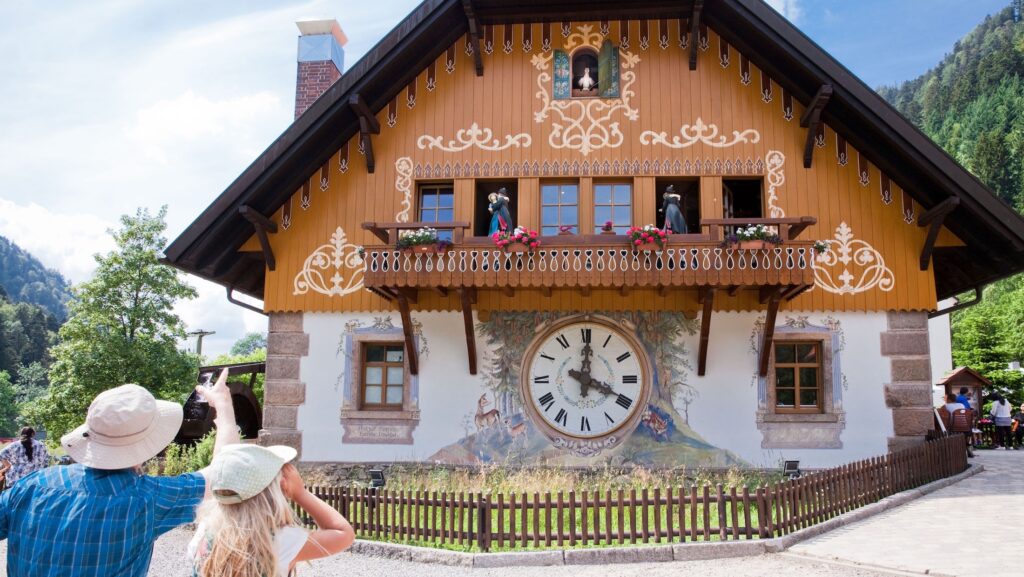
(638, 242)
(534, 244)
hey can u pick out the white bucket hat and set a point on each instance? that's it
(126, 426)
(239, 472)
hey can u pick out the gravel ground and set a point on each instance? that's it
(167, 562)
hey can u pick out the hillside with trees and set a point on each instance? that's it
(23, 279)
(972, 104)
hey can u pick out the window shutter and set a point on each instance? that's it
(608, 70)
(563, 76)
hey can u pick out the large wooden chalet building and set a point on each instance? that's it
(561, 116)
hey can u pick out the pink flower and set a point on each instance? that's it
(533, 234)
(534, 244)
(638, 242)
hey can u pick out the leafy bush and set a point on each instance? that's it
(180, 459)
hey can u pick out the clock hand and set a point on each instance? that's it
(585, 370)
(602, 387)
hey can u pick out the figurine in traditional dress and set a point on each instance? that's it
(586, 83)
(501, 218)
(674, 221)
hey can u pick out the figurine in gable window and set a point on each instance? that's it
(501, 218)
(674, 221)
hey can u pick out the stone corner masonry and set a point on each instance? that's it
(909, 392)
(284, 390)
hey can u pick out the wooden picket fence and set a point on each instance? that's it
(486, 522)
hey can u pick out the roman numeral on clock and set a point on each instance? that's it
(547, 401)
(545, 379)
(624, 402)
(629, 379)
(606, 342)
(562, 418)
(545, 356)
(623, 356)
(609, 418)
(584, 424)
(563, 341)
(585, 335)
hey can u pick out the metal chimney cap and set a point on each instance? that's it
(322, 26)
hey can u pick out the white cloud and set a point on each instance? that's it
(65, 242)
(791, 9)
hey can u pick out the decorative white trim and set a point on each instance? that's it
(845, 249)
(776, 178)
(584, 124)
(337, 256)
(403, 182)
(474, 136)
(699, 132)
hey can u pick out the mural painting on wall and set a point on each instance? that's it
(613, 407)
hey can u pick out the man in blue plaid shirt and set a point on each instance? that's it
(101, 516)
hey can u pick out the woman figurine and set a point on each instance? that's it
(501, 219)
(674, 221)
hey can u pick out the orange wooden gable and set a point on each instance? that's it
(725, 120)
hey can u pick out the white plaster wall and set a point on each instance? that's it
(940, 343)
(724, 413)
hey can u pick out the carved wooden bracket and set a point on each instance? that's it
(811, 120)
(263, 226)
(769, 333)
(410, 342)
(474, 36)
(466, 296)
(698, 6)
(934, 219)
(368, 125)
(707, 298)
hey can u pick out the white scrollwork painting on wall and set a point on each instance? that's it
(844, 251)
(586, 124)
(474, 136)
(699, 132)
(403, 182)
(775, 162)
(333, 269)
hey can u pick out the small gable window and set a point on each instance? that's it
(587, 72)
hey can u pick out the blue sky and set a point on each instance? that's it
(108, 105)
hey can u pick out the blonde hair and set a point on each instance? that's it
(242, 534)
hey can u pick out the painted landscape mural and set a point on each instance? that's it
(499, 432)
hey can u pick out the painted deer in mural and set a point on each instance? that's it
(515, 431)
(485, 419)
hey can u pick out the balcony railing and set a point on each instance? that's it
(592, 261)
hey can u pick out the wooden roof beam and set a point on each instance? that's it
(368, 124)
(466, 297)
(707, 297)
(768, 334)
(263, 226)
(474, 36)
(811, 120)
(934, 219)
(410, 341)
(698, 7)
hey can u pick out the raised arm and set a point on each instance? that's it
(219, 398)
(334, 534)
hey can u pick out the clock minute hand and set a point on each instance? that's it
(603, 388)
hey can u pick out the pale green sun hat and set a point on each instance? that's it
(239, 472)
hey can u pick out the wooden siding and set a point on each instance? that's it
(667, 96)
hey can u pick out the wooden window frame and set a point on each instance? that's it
(819, 408)
(364, 364)
(632, 204)
(435, 185)
(579, 201)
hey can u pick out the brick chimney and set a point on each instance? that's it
(321, 60)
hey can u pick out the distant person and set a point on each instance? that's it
(964, 398)
(21, 458)
(101, 516)
(952, 404)
(1001, 415)
(248, 529)
(961, 420)
(1017, 428)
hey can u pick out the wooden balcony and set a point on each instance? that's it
(587, 262)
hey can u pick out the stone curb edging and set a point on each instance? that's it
(650, 554)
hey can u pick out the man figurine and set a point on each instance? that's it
(587, 83)
(101, 516)
(501, 218)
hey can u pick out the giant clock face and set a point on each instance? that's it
(585, 379)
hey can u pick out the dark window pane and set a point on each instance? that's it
(375, 353)
(809, 398)
(603, 194)
(395, 354)
(784, 354)
(785, 397)
(622, 194)
(549, 194)
(808, 377)
(807, 353)
(785, 377)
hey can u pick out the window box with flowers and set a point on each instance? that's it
(422, 241)
(521, 239)
(754, 237)
(647, 237)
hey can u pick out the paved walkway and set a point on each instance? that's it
(962, 530)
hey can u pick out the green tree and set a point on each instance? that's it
(255, 356)
(249, 344)
(121, 329)
(9, 416)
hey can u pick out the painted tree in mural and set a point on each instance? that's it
(662, 335)
(503, 332)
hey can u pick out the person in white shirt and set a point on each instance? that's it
(248, 529)
(1001, 415)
